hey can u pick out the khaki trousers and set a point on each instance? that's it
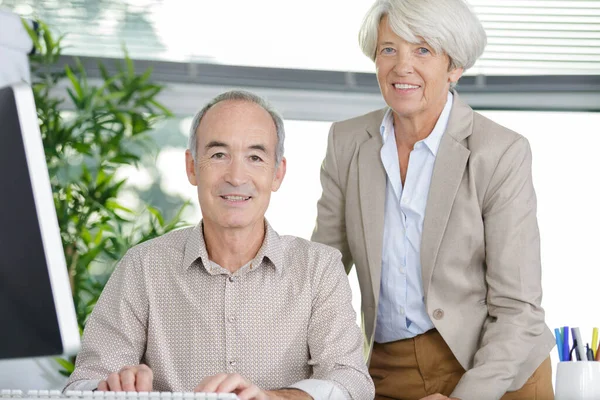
(414, 368)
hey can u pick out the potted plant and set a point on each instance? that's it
(105, 127)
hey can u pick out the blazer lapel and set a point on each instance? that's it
(371, 181)
(450, 163)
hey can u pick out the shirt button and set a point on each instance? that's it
(401, 309)
(401, 270)
(232, 279)
(231, 319)
(438, 313)
(232, 363)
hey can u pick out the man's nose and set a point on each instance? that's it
(236, 174)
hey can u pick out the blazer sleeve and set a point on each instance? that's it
(515, 324)
(330, 228)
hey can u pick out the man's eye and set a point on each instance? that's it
(255, 158)
(218, 155)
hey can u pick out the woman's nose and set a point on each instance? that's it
(403, 64)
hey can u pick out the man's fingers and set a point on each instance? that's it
(210, 384)
(233, 382)
(128, 376)
(114, 382)
(252, 393)
(143, 379)
(136, 378)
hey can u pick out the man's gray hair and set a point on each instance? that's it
(448, 26)
(239, 95)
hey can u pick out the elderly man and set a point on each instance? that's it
(228, 306)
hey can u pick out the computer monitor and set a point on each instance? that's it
(37, 316)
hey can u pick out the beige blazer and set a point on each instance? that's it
(480, 248)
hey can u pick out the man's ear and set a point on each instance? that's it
(190, 168)
(279, 175)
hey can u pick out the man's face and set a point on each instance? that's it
(235, 168)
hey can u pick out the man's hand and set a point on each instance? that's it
(246, 390)
(232, 383)
(438, 396)
(135, 378)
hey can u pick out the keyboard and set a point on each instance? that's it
(89, 395)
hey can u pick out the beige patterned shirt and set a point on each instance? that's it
(283, 320)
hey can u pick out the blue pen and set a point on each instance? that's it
(559, 343)
(566, 348)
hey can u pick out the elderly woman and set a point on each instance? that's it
(435, 206)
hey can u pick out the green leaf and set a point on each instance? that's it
(98, 237)
(33, 35)
(156, 213)
(146, 75)
(104, 73)
(113, 205)
(74, 82)
(48, 41)
(128, 62)
(164, 109)
(85, 235)
(66, 364)
(76, 101)
(90, 256)
(83, 76)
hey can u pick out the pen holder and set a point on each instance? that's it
(578, 380)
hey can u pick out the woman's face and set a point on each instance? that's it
(414, 81)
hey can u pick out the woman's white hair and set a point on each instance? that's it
(448, 26)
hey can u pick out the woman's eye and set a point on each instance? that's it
(387, 50)
(423, 50)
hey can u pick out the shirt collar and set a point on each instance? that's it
(432, 141)
(270, 252)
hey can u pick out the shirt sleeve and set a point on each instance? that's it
(115, 334)
(321, 390)
(335, 341)
(85, 384)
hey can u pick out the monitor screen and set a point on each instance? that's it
(36, 308)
